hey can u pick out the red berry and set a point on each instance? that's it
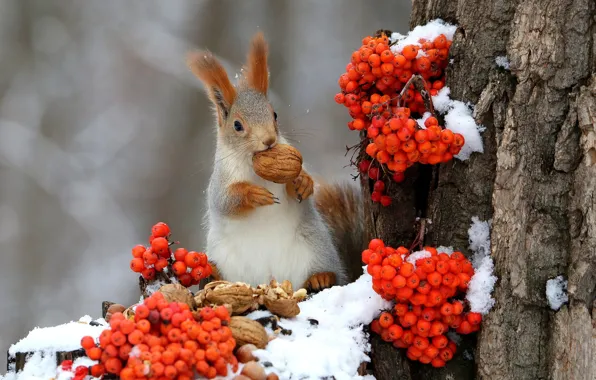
(179, 267)
(376, 196)
(379, 186)
(160, 230)
(180, 254)
(363, 166)
(148, 274)
(385, 200)
(373, 173)
(138, 250)
(137, 265)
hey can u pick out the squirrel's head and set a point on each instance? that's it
(245, 118)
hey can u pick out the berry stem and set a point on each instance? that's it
(421, 86)
(419, 240)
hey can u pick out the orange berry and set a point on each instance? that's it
(413, 281)
(409, 319)
(440, 42)
(388, 272)
(179, 268)
(385, 320)
(448, 279)
(113, 365)
(94, 353)
(87, 342)
(137, 265)
(424, 287)
(464, 328)
(431, 351)
(374, 60)
(474, 318)
(437, 363)
(446, 354)
(135, 337)
(410, 52)
(406, 269)
(436, 328)
(400, 309)
(395, 332)
(458, 140)
(404, 294)
(434, 279)
(138, 251)
(421, 342)
(442, 267)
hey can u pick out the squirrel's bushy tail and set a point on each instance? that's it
(340, 205)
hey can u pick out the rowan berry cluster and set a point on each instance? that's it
(429, 294)
(377, 90)
(189, 267)
(165, 340)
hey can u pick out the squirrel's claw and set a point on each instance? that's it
(304, 186)
(260, 196)
(320, 281)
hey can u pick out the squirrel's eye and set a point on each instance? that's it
(238, 126)
(275, 115)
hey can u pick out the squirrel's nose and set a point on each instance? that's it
(269, 142)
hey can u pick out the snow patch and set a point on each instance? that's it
(336, 343)
(429, 32)
(556, 292)
(415, 256)
(65, 337)
(502, 61)
(443, 249)
(45, 342)
(483, 281)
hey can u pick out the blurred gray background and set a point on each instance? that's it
(104, 131)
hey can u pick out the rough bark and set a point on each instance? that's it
(536, 180)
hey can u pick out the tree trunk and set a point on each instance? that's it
(536, 180)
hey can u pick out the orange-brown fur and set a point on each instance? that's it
(320, 281)
(257, 74)
(248, 196)
(207, 68)
(302, 187)
(341, 208)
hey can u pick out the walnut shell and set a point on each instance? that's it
(239, 296)
(284, 307)
(113, 309)
(177, 293)
(280, 164)
(247, 331)
(254, 371)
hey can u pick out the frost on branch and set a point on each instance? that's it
(556, 292)
(483, 281)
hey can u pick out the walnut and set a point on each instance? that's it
(247, 331)
(178, 293)
(280, 164)
(238, 295)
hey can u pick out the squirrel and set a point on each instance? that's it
(258, 230)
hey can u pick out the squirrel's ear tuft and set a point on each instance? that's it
(210, 71)
(257, 71)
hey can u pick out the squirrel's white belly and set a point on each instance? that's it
(263, 245)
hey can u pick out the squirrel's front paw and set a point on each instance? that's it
(302, 187)
(320, 281)
(259, 196)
